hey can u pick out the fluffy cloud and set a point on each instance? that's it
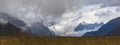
(88, 14)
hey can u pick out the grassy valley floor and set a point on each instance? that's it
(18, 40)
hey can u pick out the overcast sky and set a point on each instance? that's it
(53, 7)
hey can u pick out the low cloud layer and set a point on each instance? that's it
(66, 13)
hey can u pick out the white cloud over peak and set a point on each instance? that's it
(89, 14)
(66, 14)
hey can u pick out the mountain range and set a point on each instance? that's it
(12, 26)
(39, 29)
(112, 28)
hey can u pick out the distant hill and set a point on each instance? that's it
(13, 20)
(87, 26)
(10, 30)
(112, 28)
(11, 26)
(39, 29)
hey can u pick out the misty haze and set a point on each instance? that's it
(60, 17)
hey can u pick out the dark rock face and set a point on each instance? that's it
(15, 21)
(115, 31)
(39, 29)
(9, 30)
(12, 27)
(112, 28)
(80, 27)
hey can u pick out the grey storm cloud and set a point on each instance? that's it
(52, 7)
